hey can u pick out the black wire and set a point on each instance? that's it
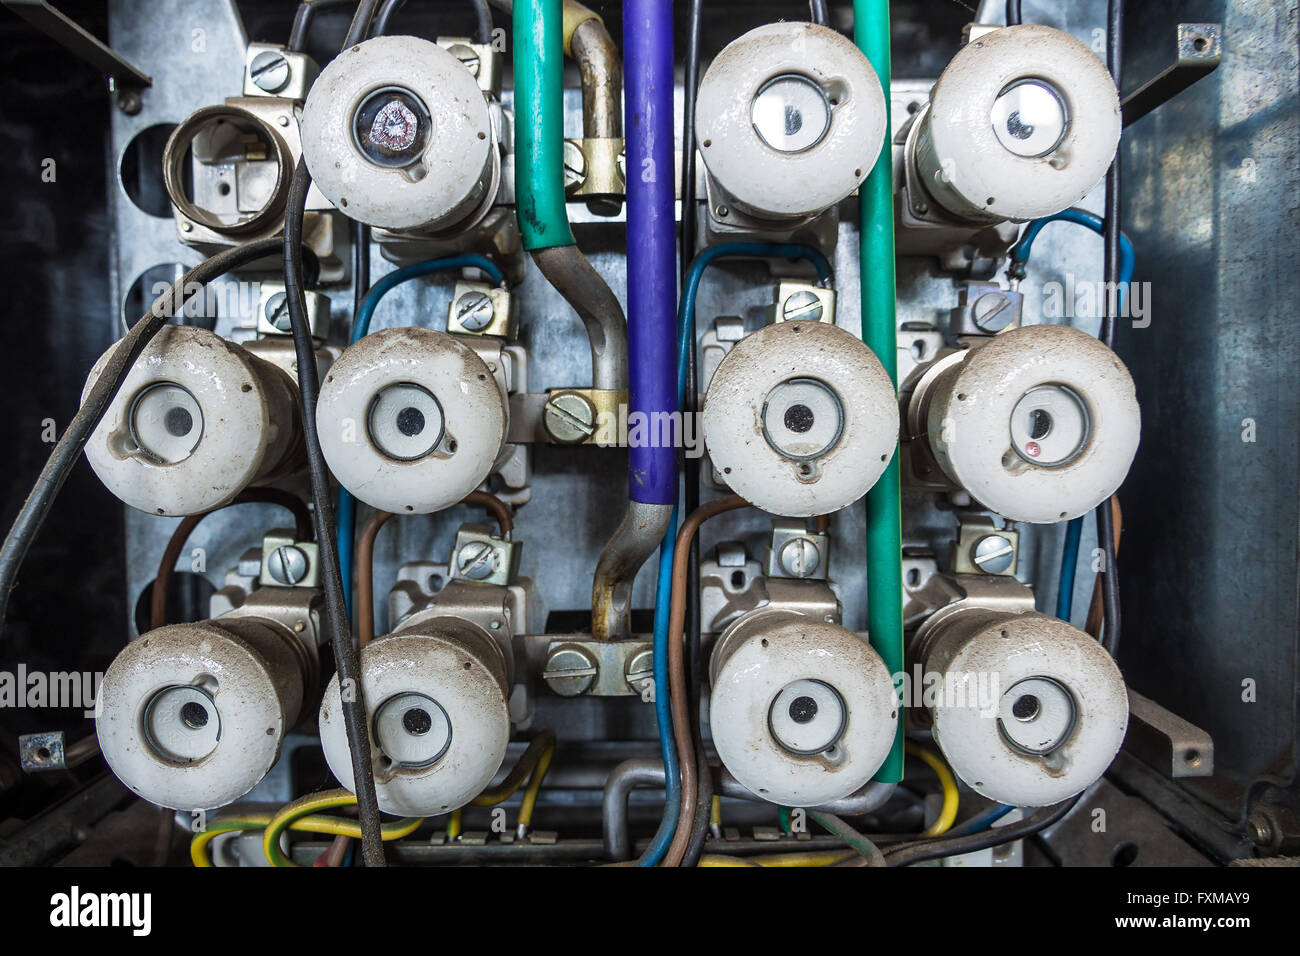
(1013, 13)
(482, 19)
(1111, 230)
(818, 13)
(360, 25)
(68, 450)
(360, 264)
(703, 806)
(385, 15)
(693, 661)
(302, 19)
(690, 82)
(919, 851)
(337, 626)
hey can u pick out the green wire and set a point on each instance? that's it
(539, 124)
(860, 843)
(880, 333)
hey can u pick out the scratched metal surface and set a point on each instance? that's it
(1209, 552)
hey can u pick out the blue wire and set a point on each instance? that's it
(663, 703)
(981, 822)
(730, 250)
(1079, 217)
(1069, 565)
(1127, 263)
(686, 336)
(361, 323)
(347, 506)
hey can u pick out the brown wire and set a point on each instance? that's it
(499, 509)
(334, 854)
(1095, 616)
(167, 566)
(677, 672)
(364, 597)
(364, 593)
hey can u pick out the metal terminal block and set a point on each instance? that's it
(227, 170)
(594, 170)
(480, 557)
(581, 666)
(725, 222)
(246, 572)
(239, 582)
(920, 579)
(725, 332)
(481, 60)
(295, 608)
(431, 589)
(814, 599)
(582, 416)
(731, 583)
(796, 552)
(946, 594)
(639, 673)
(918, 343)
(272, 317)
(271, 70)
(481, 309)
(571, 670)
(984, 309)
(288, 563)
(796, 301)
(501, 612)
(983, 548)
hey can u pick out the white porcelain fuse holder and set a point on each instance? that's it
(789, 118)
(411, 420)
(1039, 425)
(800, 418)
(397, 134)
(192, 715)
(436, 695)
(802, 711)
(1030, 710)
(1022, 123)
(197, 420)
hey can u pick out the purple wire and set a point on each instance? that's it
(651, 244)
